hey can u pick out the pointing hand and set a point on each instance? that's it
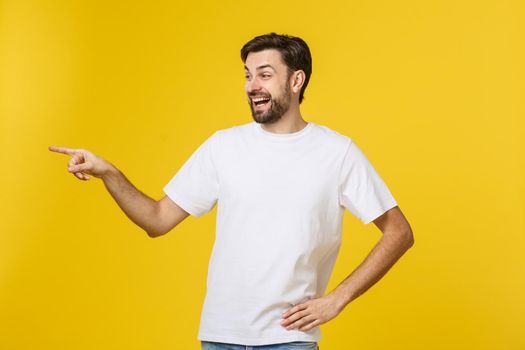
(83, 162)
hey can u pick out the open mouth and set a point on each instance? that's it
(261, 102)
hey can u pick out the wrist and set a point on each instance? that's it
(111, 172)
(339, 299)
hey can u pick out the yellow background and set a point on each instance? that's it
(432, 91)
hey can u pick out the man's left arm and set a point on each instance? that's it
(396, 240)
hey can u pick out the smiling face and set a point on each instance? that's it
(267, 86)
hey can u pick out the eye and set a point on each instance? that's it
(266, 75)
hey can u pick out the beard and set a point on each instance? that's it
(278, 107)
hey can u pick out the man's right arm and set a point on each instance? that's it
(154, 217)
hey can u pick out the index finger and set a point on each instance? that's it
(65, 150)
(293, 310)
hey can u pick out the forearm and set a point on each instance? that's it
(137, 206)
(382, 257)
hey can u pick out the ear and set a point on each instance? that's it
(297, 80)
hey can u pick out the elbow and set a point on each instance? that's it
(404, 238)
(409, 238)
(153, 233)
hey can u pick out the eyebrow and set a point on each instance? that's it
(261, 67)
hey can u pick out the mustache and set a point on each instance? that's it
(259, 95)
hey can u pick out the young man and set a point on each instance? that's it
(282, 185)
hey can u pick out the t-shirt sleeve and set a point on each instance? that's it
(195, 186)
(361, 190)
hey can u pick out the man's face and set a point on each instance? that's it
(267, 86)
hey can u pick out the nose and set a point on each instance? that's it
(253, 85)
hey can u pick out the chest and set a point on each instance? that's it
(304, 179)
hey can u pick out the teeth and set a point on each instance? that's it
(260, 99)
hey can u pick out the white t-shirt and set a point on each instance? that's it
(281, 200)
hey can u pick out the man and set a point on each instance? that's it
(281, 185)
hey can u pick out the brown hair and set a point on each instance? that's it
(294, 52)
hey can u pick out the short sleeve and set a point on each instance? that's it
(195, 186)
(361, 190)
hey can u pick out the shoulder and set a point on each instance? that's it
(331, 136)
